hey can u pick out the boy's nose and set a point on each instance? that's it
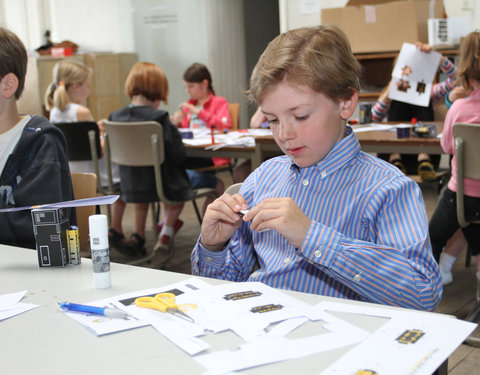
(285, 130)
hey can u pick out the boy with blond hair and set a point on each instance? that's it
(325, 218)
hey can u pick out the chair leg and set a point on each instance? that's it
(468, 258)
(155, 215)
(199, 217)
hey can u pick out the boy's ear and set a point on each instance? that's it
(347, 106)
(9, 85)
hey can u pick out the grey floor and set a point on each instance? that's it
(458, 297)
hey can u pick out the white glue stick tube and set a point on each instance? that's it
(98, 228)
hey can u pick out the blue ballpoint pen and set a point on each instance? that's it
(85, 309)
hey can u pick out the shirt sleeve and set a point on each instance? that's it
(236, 261)
(217, 114)
(395, 266)
(379, 111)
(439, 90)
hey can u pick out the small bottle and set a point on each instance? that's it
(98, 228)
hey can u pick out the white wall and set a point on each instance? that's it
(174, 34)
(170, 33)
(297, 13)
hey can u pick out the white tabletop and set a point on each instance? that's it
(46, 341)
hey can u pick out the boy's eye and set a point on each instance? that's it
(301, 118)
(272, 121)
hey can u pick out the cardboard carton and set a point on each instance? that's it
(374, 26)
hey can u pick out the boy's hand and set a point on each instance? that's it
(221, 220)
(282, 215)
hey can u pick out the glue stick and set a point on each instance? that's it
(100, 252)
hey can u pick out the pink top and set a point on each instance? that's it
(462, 110)
(214, 113)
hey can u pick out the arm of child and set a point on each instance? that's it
(381, 107)
(84, 114)
(218, 115)
(257, 119)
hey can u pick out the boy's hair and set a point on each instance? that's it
(13, 58)
(317, 57)
(469, 64)
(65, 74)
(148, 80)
(196, 73)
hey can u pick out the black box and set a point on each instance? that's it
(50, 226)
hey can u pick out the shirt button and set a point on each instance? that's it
(318, 253)
(305, 182)
(286, 260)
(323, 174)
(357, 278)
(209, 259)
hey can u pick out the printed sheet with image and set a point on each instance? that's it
(413, 75)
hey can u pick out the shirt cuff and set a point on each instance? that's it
(320, 245)
(215, 259)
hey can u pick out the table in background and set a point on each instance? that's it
(46, 341)
(370, 141)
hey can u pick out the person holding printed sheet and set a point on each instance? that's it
(324, 218)
(421, 164)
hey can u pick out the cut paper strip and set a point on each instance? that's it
(107, 199)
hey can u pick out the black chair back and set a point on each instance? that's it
(78, 143)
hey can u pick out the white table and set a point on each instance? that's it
(46, 341)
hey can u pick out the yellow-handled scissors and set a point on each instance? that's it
(164, 302)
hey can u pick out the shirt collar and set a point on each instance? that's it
(341, 153)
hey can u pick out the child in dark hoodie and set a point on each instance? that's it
(33, 159)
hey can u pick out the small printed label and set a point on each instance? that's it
(101, 260)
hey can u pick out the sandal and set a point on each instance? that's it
(137, 245)
(426, 170)
(399, 164)
(117, 241)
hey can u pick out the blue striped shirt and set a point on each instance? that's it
(368, 237)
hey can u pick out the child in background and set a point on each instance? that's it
(204, 110)
(147, 87)
(33, 160)
(66, 99)
(443, 223)
(324, 218)
(422, 164)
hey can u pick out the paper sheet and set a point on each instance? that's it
(102, 325)
(409, 343)
(10, 304)
(413, 75)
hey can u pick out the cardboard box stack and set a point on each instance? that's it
(384, 25)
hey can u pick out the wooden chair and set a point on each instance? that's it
(234, 109)
(137, 144)
(467, 139)
(84, 186)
